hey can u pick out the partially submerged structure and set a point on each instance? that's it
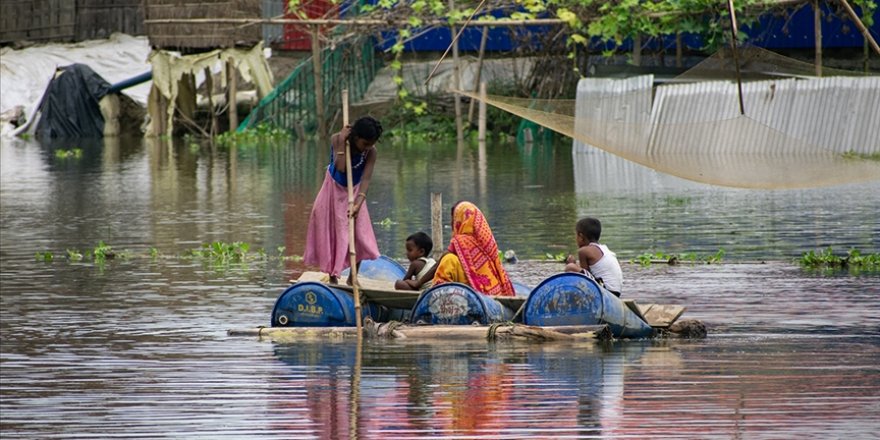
(215, 52)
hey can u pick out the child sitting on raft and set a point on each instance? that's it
(595, 259)
(418, 247)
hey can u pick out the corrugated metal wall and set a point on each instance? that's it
(782, 117)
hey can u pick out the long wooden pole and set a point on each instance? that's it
(454, 40)
(317, 73)
(351, 245)
(739, 86)
(477, 80)
(456, 77)
(817, 25)
(232, 95)
(858, 22)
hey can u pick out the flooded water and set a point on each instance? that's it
(137, 347)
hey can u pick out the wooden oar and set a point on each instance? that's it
(351, 247)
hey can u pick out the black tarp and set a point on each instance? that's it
(70, 106)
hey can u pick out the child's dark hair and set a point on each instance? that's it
(590, 228)
(367, 128)
(422, 240)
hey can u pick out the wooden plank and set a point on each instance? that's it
(443, 333)
(631, 304)
(663, 315)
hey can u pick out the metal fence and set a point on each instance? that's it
(292, 105)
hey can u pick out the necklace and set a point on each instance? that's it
(363, 158)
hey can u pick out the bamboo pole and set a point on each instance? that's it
(732, 11)
(858, 22)
(319, 84)
(231, 96)
(637, 50)
(437, 223)
(679, 50)
(456, 78)
(440, 333)
(350, 22)
(481, 119)
(483, 40)
(817, 23)
(351, 237)
(454, 38)
(209, 86)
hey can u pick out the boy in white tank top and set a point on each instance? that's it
(595, 259)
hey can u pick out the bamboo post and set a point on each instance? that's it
(437, 223)
(351, 245)
(481, 121)
(817, 23)
(637, 50)
(858, 22)
(483, 39)
(209, 87)
(319, 86)
(732, 11)
(231, 100)
(456, 79)
(679, 50)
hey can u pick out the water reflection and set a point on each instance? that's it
(462, 389)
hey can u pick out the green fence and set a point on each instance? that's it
(351, 65)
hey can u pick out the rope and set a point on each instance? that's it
(391, 326)
(491, 333)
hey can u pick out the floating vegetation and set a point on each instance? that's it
(560, 257)
(677, 201)
(865, 156)
(648, 258)
(853, 261)
(75, 153)
(217, 252)
(45, 257)
(261, 135)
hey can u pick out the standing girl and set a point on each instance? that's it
(327, 238)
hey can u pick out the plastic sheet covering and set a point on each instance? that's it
(169, 68)
(70, 106)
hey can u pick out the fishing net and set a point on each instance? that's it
(796, 130)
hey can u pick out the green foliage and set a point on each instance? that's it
(261, 135)
(560, 256)
(74, 153)
(648, 258)
(853, 261)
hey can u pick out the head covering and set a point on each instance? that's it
(473, 243)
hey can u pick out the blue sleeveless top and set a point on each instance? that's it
(358, 162)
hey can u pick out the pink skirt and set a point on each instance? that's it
(327, 239)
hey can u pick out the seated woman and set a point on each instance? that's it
(472, 256)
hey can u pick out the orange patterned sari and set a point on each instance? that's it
(475, 254)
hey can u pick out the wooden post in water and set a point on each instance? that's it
(209, 88)
(477, 81)
(481, 122)
(351, 237)
(319, 86)
(232, 92)
(437, 224)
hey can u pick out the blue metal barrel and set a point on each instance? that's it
(310, 304)
(382, 268)
(575, 299)
(458, 304)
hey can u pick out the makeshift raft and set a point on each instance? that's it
(566, 300)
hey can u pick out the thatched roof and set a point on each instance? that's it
(201, 36)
